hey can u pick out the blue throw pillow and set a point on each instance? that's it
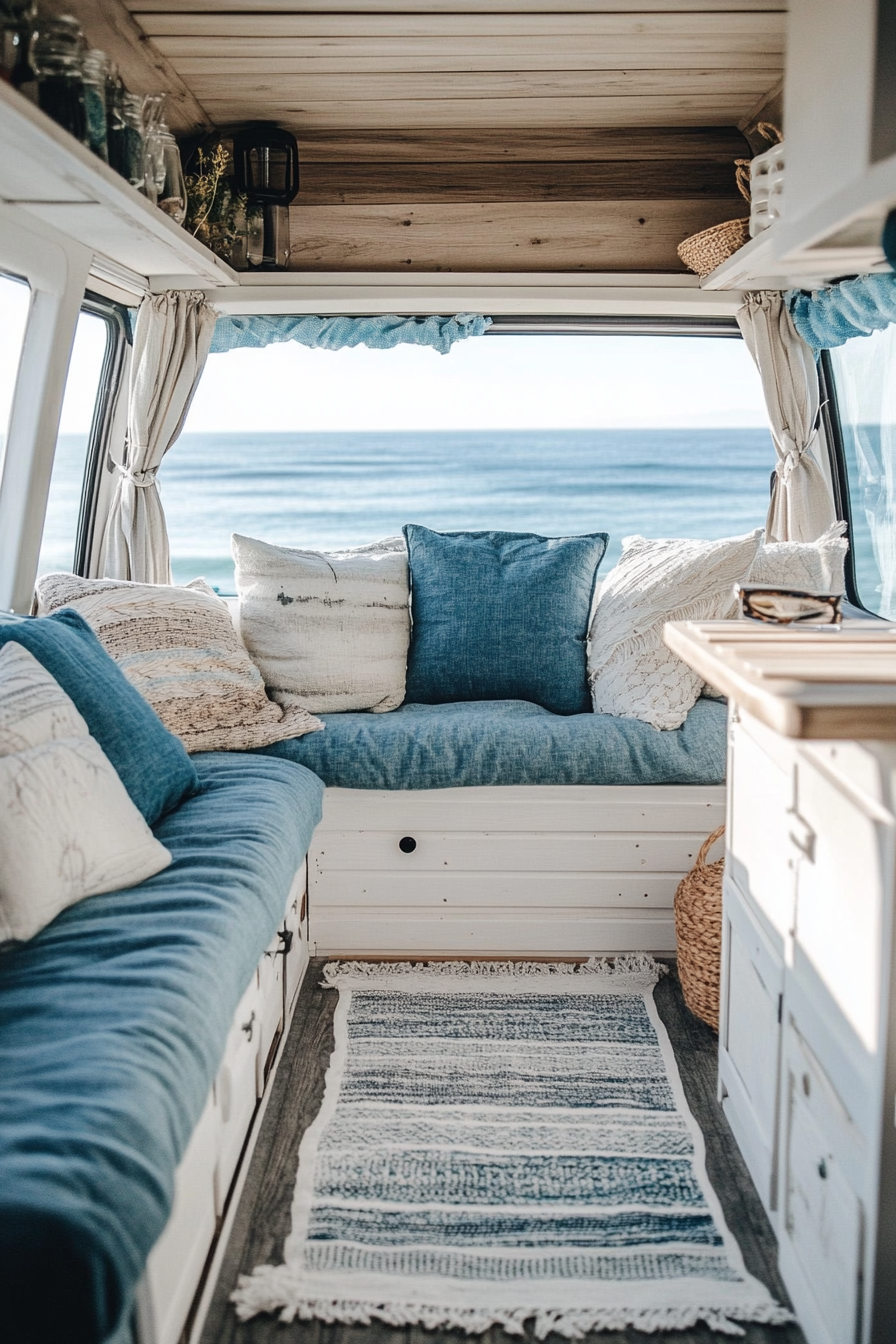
(151, 762)
(500, 616)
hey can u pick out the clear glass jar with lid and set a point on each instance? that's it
(171, 191)
(57, 53)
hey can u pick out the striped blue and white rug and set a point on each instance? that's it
(500, 1143)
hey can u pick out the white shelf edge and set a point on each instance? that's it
(86, 183)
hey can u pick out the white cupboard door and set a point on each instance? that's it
(757, 850)
(177, 1260)
(749, 1046)
(235, 1089)
(842, 845)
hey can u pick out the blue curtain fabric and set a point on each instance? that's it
(340, 333)
(830, 317)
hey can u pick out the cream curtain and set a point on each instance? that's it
(171, 344)
(801, 507)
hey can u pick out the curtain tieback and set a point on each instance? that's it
(792, 457)
(141, 479)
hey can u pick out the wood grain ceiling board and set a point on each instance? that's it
(351, 183)
(545, 236)
(462, 6)
(529, 144)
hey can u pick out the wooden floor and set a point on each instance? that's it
(263, 1221)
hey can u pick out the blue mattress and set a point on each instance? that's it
(508, 742)
(112, 1026)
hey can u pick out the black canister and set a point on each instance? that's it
(57, 53)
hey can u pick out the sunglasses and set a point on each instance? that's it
(787, 606)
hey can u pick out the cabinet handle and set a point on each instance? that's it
(407, 844)
(823, 1169)
(249, 1027)
(802, 836)
(285, 936)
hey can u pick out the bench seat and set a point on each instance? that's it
(112, 1025)
(505, 742)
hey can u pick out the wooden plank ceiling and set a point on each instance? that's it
(476, 135)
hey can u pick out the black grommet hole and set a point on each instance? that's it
(407, 844)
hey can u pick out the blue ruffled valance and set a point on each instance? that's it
(830, 317)
(340, 333)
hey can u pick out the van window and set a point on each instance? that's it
(15, 302)
(83, 386)
(555, 434)
(864, 374)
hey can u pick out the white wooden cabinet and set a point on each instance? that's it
(221, 1143)
(808, 1021)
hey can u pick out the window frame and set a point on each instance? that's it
(98, 457)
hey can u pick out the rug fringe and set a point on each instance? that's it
(275, 1288)
(640, 966)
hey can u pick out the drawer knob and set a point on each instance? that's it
(285, 936)
(249, 1027)
(823, 1169)
(407, 844)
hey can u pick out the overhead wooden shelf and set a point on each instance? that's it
(785, 257)
(47, 173)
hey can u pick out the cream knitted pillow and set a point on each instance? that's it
(328, 630)
(632, 672)
(68, 828)
(178, 647)
(816, 566)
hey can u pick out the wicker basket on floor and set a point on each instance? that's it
(698, 930)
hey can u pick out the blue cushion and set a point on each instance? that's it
(500, 616)
(151, 762)
(508, 742)
(112, 1026)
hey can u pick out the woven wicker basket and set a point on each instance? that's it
(698, 930)
(704, 251)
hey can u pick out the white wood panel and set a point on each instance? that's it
(572, 807)
(505, 851)
(564, 933)
(480, 891)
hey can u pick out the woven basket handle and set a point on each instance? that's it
(742, 177)
(769, 131)
(708, 844)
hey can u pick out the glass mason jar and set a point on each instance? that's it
(134, 148)
(95, 68)
(171, 191)
(56, 55)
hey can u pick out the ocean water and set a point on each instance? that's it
(328, 490)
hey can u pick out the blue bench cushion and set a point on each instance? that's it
(112, 1024)
(508, 742)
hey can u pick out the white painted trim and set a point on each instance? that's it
(57, 270)
(543, 294)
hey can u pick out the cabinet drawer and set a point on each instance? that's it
(236, 1088)
(757, 843)
(176, 1261)
(823, 1216)
(295, 953)
(270, 985)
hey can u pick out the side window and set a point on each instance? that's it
(864, 376)
(15, 302)
(81, 411)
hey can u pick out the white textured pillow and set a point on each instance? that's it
(68, 828)
(816, 566)
(632, 672)
(328, 630)
(178, 647)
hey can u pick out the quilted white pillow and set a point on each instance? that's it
(68, 828)
(632, 672)
(816, 566)
(327, 630)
